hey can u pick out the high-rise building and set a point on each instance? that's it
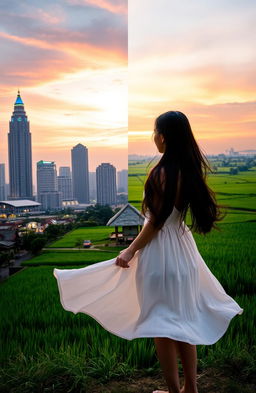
(65, 187)
(92, 185)
(80, 173)
(47, 190)
(65, 171)
(122, 180)
(65, 183)
(20, 155)
(106, 184)
(2, 183)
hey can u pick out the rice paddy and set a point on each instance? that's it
(44, 345)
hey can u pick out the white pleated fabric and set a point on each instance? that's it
(168, 291)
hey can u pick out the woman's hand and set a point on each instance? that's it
(124, 257)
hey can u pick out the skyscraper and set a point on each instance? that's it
(20, 155)
(106, 184)
(47, 191)
(2, 182)
(64, 171)
(122, 180)
(65, 183)
(92, 185)
(80, 173)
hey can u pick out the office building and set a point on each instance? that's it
(122, 181)
(106, 184)
(65, 187)
(80, 173)
(65, 171)
(92, 185)
(19, 152)
(47, 189)
(2, 182)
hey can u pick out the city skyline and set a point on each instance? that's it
(34, 178)
(73, 77)
(198, 58)
(69, 60)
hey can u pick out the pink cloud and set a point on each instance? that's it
(116, 6)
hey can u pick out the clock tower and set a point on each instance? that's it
(20, 155)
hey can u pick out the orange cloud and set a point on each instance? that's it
(117, 7)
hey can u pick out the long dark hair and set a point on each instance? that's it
(182, 155)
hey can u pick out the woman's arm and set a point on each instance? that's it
(145, 236)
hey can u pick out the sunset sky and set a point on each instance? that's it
(197, 57)
(69, 60)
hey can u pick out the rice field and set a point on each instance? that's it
(44, 345)
(97, 234)
(68, 257)
(238, 192)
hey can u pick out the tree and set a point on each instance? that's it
(5, 257)
(98, 213)
(243, 168)
(27, 239)
(53, 231)
(233, 171)
(37, 245)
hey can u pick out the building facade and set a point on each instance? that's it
(65, 171)
(2, 182)
(122, 180)
(64, 182)
(20, 154)
(47, 189)
(106, 184)
(19, 207)
(65, 187)
(80, 173)
(92, 185)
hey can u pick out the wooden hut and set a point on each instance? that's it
(131, 221)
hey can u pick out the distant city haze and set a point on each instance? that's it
(69, 60)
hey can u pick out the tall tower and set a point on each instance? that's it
(80, 173)
(20, 155)
(106, 184)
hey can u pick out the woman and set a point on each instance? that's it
(178, 182)
(167, 292)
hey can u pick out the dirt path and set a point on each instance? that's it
(209, 381)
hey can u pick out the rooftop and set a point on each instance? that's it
(18, 100)
(42, 162)
(127, 216)
(20, 203)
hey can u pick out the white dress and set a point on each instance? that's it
(168, 291)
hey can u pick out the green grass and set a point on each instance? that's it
(44, 348)
(97, 235)
(235, 191)
(34, 324)
(69, 257)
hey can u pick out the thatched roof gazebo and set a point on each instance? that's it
(131, 221)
